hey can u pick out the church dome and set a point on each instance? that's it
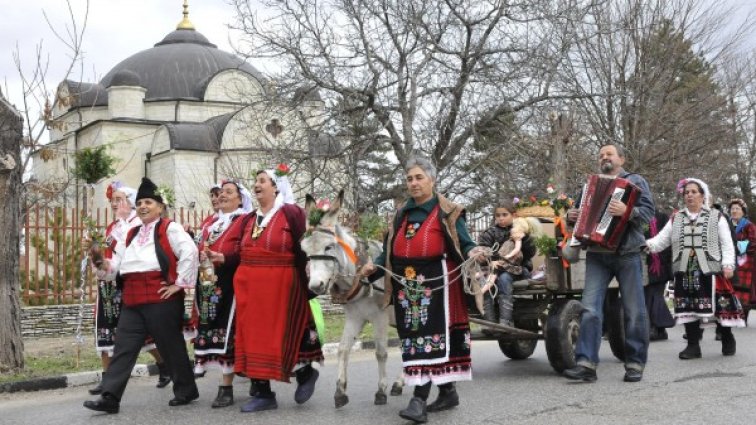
(125, 77)
(178, 67)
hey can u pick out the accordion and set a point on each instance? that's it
(595, 225)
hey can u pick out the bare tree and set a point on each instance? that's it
(739, 81)
(647, 69)
(433, 74)
(22, 132)
(12, 346)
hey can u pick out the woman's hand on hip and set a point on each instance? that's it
(167, 291)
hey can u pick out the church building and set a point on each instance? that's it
(184, 114)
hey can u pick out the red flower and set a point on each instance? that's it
(282, 170)
(109, 192)
(533, 198)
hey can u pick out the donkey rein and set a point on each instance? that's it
(469, 269)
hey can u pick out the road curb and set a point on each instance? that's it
(70, 380)
(92, 377)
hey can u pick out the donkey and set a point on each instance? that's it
(334, 259)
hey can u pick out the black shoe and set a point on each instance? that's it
(305, 390)
(164, 377)
(581, 373)
(690, 352)
(225, 396)
(181, 400)
(258, 404)
(96, 390)
(105, 403)
(415, 411)
(728, 345)
(633, 375)
(446, 400)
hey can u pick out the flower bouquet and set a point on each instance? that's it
(544, 207)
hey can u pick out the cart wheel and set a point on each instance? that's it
(562, 330)
(519, 349)
(614, 315)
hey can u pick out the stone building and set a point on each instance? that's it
(183, 113)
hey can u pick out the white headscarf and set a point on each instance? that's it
(285, 196)
(221, 224)
(130, 195)
(704, 187)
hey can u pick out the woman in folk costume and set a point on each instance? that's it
(427, 240)
(703, 260)
(215, 191)
(215, 202)
(108, 304)
(275, 330)
(745, 247)
(156, 264)
(214, 344)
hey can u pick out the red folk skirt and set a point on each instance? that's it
(274, 326)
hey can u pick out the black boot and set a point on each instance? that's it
(164, 376)
(415, 411)
(728, 342)
(693, 349)
(447, 398)
(225, 396)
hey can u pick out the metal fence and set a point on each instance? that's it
(53, 249)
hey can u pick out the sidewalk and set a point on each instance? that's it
(92, 377)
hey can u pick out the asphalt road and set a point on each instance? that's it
(712, 390)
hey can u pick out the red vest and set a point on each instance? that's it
(142, 288)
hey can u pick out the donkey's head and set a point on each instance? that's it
(329, 247)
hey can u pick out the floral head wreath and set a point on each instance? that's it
(741, 203)
(279, 175)
(112, 187)
(117, 186)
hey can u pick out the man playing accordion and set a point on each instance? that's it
(623, 263)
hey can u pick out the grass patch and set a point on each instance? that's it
(335, 326)
(61, 362)
(57, 356)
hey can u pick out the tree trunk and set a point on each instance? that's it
(11, 343)
(561, 128)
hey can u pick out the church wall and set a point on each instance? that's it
(189, 173)
(160, 111)
(234, 86)
(77, 118)
(126, 101)
(129, 142)
(202, 111)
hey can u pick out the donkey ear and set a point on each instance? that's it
(338, 202)
(309, 203)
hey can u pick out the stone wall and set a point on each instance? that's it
(61, 320)
(55, 320)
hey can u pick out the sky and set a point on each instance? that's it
(116, 29)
